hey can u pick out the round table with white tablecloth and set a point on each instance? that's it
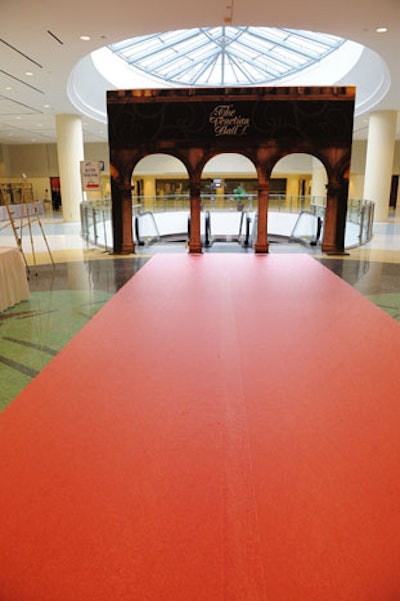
(13, 277)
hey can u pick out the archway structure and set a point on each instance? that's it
(263, 124)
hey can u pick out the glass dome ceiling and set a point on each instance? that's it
(223, 56)
(227, 57)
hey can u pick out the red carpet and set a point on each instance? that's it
(227, 428)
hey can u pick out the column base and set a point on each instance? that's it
(331, 249)
(127, 249)
(261, 248)
(195, 248)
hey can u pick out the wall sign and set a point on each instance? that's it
(90, 175)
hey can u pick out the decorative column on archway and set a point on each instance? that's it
(121, 189)
(128, 245)
(335, 216)
(261, 246)
(195, 214)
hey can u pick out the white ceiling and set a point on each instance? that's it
(43, 37)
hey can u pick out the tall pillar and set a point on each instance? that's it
(335, 217)
(149, 193)
(379, 161)
(261, 245)
(70, 154)
(195, 245)
(319, 181)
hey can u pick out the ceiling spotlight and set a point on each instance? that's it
(28, 73)
(381, 29)
(85, 38)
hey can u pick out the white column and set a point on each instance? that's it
(319, 180)
(70, 154)
(379, 161)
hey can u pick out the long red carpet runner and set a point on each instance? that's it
(227, 428)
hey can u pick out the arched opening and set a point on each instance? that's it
(297, 208)
(229, 199)
(161, 199)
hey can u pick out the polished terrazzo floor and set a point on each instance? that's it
(65, 296)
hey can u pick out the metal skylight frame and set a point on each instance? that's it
(220, 56)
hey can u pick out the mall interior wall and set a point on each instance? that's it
(39, 162)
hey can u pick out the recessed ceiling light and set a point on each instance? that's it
(46, 106)
(28, 73)
(85, 38)
(8, 88)
(381, 29)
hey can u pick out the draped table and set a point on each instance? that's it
(13, 279)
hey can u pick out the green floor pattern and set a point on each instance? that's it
(388, 302)
(34, 331)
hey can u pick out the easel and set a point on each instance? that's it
(28, 215)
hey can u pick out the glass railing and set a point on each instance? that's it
(360, 213)
(97, 229)
(96, 226)
(178, 202)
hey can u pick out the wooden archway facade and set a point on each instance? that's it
(263, 124)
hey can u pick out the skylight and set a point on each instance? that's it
(223, 56)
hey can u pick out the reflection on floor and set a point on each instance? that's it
(66, 296)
